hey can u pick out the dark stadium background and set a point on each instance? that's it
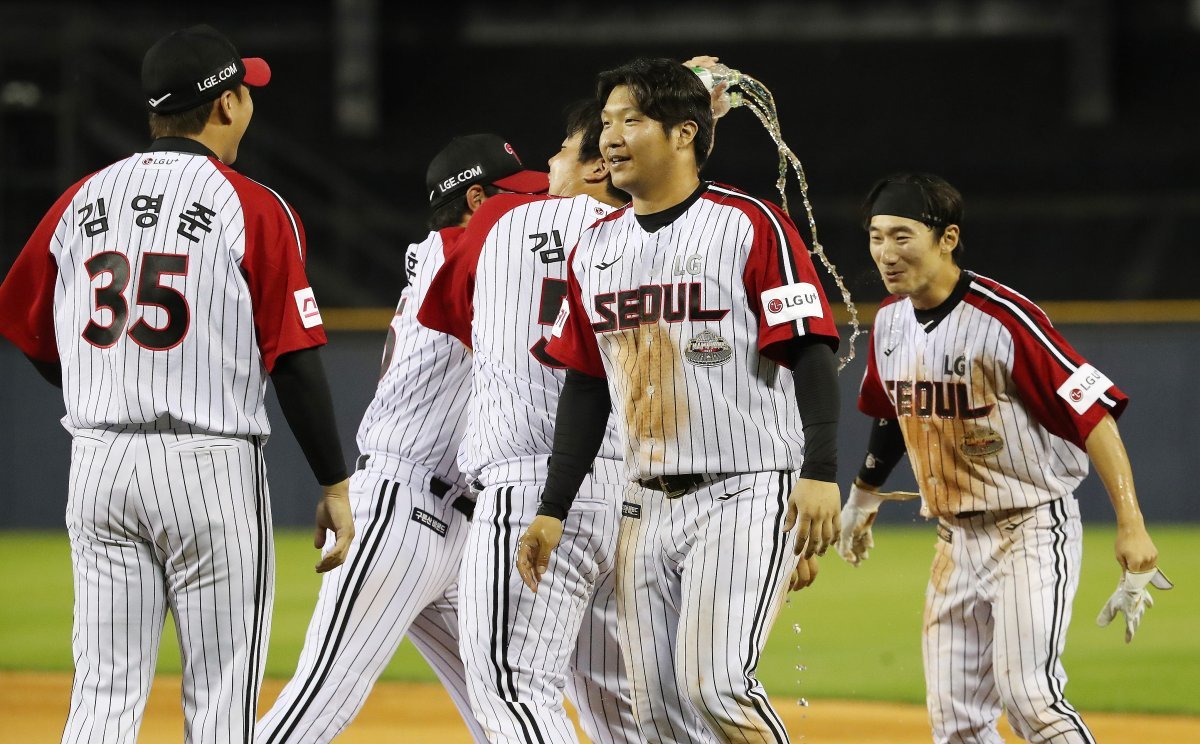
(1070, 127)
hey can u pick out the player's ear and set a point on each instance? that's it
(685, 133)
(597, 171)
(223, 108)
(949, 239)
(475, 197)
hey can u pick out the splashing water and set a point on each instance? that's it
(747, 92)
(796, 628)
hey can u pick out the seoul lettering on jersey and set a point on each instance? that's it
(683, 320)
(646, 305)
(967, 386)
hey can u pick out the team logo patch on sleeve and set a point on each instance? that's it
(306, 303)
(420, 516)
(793, 302)
(560, 322)
(1084, 388)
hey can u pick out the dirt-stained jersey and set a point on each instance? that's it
(994, 404)
(499, 293)
(166, 285)
(420, 404)
(689, 324)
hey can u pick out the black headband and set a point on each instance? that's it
(904, 200)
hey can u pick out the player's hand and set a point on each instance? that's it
(333, 514)
(856, 541)
(1133, 599)
(815, 506)
(534, 548)
(804, 575)
(721, 103)
(1134, 549)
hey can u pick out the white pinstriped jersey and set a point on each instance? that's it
(499, 293)
(687, 323)
(994, 404)
(419, 409)
(166, 285)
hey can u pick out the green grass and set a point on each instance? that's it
(860, 628)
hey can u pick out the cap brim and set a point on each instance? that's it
(525, 182)
(258, 72)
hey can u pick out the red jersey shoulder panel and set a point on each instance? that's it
(286, 317)
(27, 294)
(1047, 370)
(781, 282)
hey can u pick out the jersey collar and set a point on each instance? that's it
(181, 144)
(930, 318)
(658, 220)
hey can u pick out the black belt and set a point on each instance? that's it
(969, 514)
(437, 487)
(674, 486)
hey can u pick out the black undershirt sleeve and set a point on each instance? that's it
(51, 372)
(579, 425)
(303, 392)
(884, 449)
(814, 371)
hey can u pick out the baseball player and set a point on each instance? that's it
(999, 416)
(696, 315)
(411, 503)
(499, 293)
(159, 293)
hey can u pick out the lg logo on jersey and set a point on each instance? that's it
(793, 302)
(1084, 388)
(690, 266)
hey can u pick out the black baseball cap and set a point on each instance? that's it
(479, 158)
(188, 67)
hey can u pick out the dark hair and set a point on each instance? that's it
(182, 124)
(451, 214)
(943, 203)
(667, 92)
(583, 118)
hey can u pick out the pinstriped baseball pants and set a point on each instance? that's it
(160, 521)
(398, 580)
(522, 650)
(700, 581)
(996, 614)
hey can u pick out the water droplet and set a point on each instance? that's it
(795, 627)
(801, 668)
(802, 702)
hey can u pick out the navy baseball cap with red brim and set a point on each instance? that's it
(483, 159)
(191, 66)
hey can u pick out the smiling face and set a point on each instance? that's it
(641, 154)
(912, 260)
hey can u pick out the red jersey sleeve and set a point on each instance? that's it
(573, 342)
(782, 285)
(449, 304)
(27, 294)
(286, 317)
(873, 399)
(1066, 394)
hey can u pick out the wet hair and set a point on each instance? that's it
(924, 197)
(668, 93)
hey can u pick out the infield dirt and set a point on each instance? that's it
(33, 706)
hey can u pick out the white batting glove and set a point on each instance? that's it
(1133, 599)
(855, 542)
